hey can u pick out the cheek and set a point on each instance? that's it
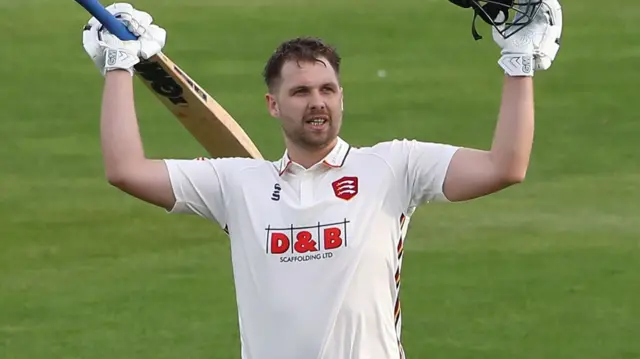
(336, 105)
(292, 108)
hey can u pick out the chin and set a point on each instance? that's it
(326, 141)
(316, 142)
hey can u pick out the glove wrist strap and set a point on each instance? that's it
(517, 64)
(117, 59)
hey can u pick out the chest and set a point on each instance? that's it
(314, 212)
(307, 190)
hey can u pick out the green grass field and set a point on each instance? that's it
(549, 269)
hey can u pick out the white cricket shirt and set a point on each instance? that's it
(316, 253)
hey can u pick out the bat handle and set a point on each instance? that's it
(107, 19)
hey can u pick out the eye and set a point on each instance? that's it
(300, 91)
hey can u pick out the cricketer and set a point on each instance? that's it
(317, 236)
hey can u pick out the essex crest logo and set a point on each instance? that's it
(346, 187)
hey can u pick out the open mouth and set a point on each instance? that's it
(317, 121)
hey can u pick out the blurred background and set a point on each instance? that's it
(548, 269)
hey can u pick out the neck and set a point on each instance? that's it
(308, 157)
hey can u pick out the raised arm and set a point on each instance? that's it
(474, 173)
(125, 163)
(126, 166)
(179, 186)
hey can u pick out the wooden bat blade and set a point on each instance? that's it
(207, 121)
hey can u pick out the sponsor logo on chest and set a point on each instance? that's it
(305, 243)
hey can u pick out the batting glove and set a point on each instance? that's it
(533, 47)
(109, 53)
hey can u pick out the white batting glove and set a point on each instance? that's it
(535, 46)
(110, 53)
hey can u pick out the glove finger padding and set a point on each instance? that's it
(120, 9)
(152, 38)
(152, 42)
(136, 21)
(92, 47)
(549, 45)
(548, 49)
(140, 22)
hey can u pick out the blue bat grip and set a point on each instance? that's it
(107, 19)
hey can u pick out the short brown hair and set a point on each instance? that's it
(299, 49)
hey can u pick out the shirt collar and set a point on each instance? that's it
(335, 159)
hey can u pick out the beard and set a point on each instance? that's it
(308, 138)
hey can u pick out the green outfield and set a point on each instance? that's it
(549, 269)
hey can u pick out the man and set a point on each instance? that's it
(317, 236)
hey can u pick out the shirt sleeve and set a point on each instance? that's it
(197, 185)
(427, 165)
(420, 169)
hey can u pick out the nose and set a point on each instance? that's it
(317, 102)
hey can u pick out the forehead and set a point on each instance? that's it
(295, 73)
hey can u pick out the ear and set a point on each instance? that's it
(272, 105)
(341, 99)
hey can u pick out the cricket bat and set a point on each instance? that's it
(207, 121)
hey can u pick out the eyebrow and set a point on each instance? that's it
(305, 87)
